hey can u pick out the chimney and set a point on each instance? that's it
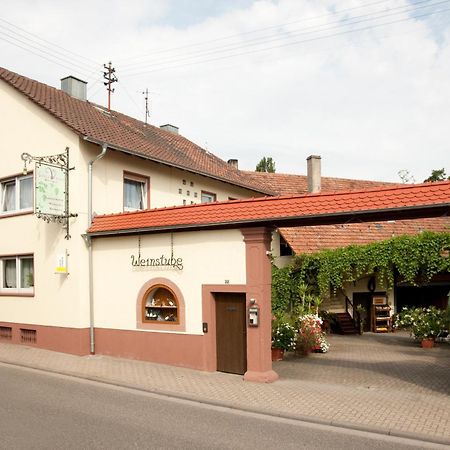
(74, 87)
(313, 163)
(170, 128)
(234, 163)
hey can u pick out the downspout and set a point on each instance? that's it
(89, 243)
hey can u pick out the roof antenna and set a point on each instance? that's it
(147, 112)
(110, 78)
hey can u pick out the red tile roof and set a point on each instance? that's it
(320, 237)
(128, 134)
(278, 209)
(284, 184)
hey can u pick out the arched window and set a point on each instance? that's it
(160, 305)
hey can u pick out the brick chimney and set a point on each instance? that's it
(234, 163)
(313, 165)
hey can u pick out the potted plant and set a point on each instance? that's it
(424, 323)
(310, 336)
(283, 338)
(361, 317)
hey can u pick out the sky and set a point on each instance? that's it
(362, 83)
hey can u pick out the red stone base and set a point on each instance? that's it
(261, 377)
(57, 339)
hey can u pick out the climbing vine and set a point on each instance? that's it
(412, 259)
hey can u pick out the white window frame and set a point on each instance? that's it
(211, 196)
(144, 190)
(17, 209)
(19, 289)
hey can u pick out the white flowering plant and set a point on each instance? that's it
(284, 335)
(422, 322)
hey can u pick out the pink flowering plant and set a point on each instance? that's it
(310, 335)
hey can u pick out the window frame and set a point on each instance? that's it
(19, 290)
(16, 179)
(153, 325)
(206, 193)
(140, 179)
(176, 306)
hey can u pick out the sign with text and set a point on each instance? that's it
(50, 190)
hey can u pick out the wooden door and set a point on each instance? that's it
(231, 333)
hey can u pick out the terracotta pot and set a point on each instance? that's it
(277, 354)
(427, 343)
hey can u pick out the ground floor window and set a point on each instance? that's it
(161, 305)
(17, 274)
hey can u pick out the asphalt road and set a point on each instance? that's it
(46, 411)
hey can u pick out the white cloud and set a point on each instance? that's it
(371, 103)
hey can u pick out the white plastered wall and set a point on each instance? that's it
(337, 304)
(62, 300)
(165, 182)
(59, 300)
(209, 257)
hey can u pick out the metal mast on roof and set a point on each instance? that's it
(147, 112)
(110, 78)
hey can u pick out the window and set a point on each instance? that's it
(135, 192)
(17, 274)
(208, 197)
(16, 195)
(160, 305)
(285, 248)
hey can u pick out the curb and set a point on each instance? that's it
(223, 404)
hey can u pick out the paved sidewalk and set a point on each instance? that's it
(381, 383)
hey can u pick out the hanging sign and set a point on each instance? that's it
(50, 197)
(160, 261)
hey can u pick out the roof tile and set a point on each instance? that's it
(270, 208)
(123, 132)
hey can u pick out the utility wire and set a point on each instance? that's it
(252, 31)
(290, 43)
(287, 34)
(4, 36)
(37, 54)
(90, 61)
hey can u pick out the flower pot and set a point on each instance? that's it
(427, 343)
(277, 354)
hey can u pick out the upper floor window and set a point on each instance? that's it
(16, 194)
(16, 274)
(208, 197)
(135, 192)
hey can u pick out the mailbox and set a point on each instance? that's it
(253, 316)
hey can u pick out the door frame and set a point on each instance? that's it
(209, 317)
(233, 340)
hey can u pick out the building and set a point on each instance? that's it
(145, 291)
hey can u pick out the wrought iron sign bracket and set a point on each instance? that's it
(60, 161)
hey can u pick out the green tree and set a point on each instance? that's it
(266, 165)
(437, 175)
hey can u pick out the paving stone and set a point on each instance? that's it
(381, 381)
